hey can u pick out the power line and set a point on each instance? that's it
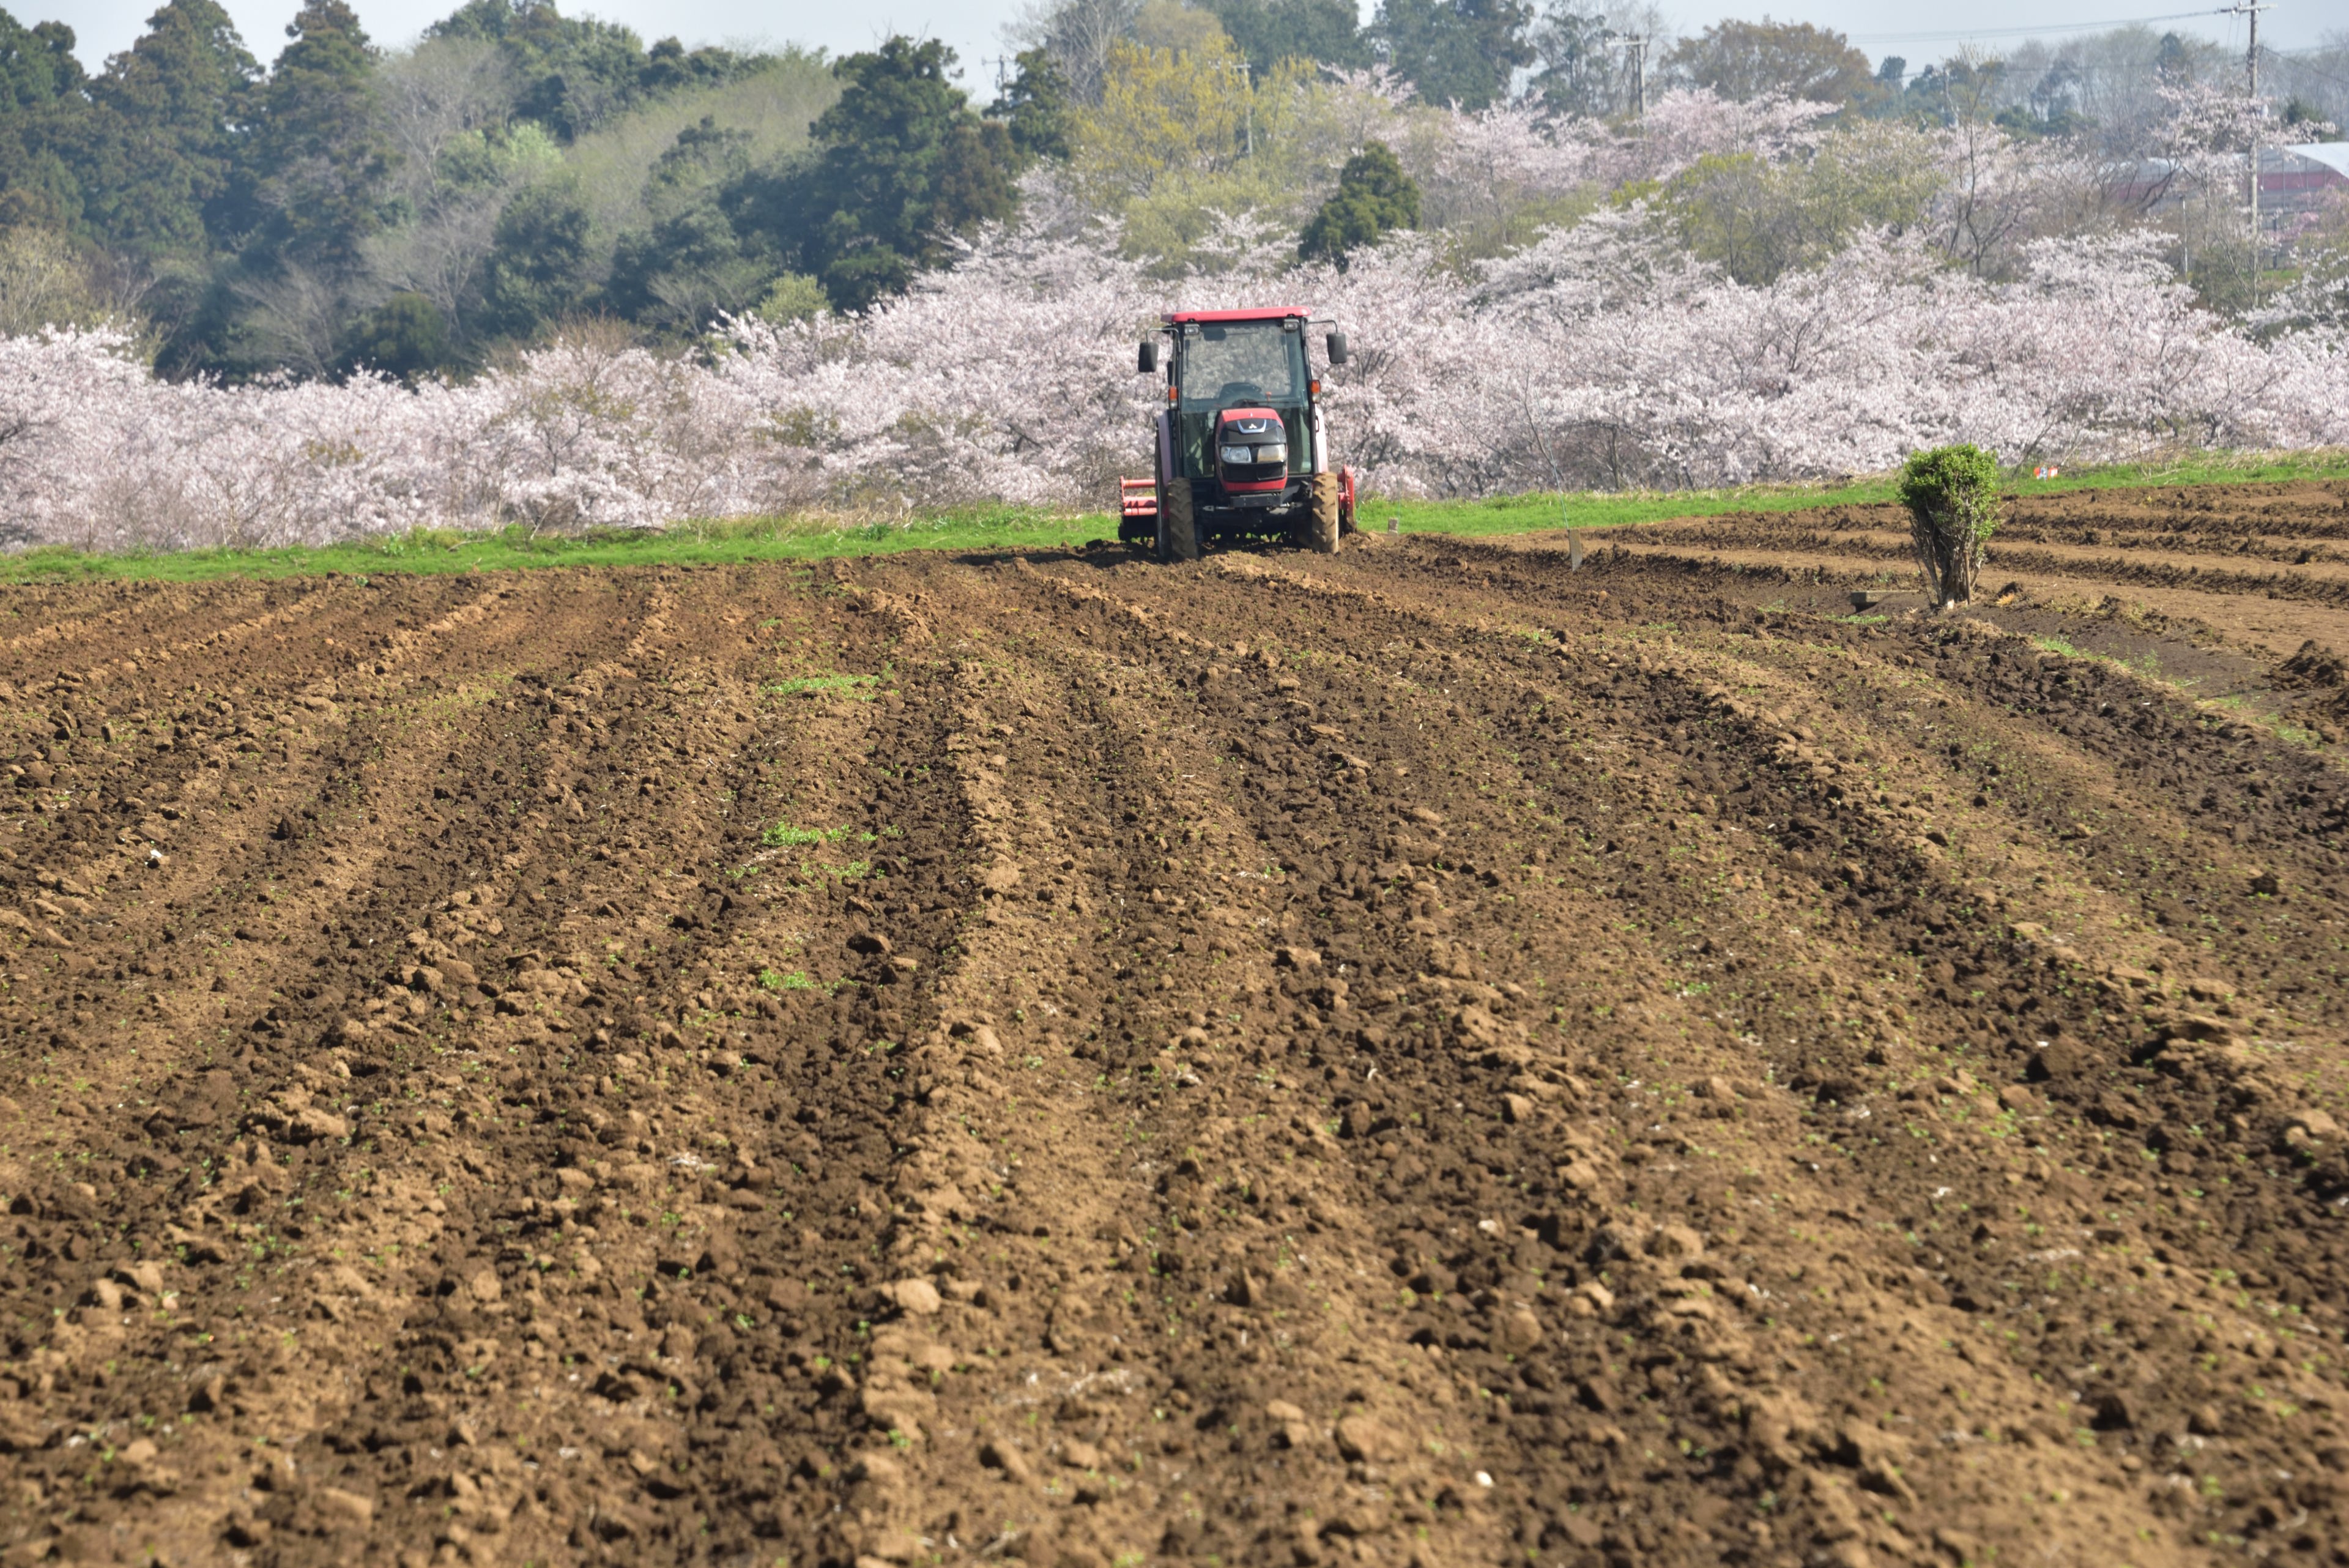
(1950, 37)
(2297, 59)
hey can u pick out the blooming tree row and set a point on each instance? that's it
(1600, 355)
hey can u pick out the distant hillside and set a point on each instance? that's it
(410, 210)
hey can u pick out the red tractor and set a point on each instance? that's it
(1242, 449)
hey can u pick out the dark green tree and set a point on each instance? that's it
(1374, 197)
(173, 114)
(702, 158)
(570, 76)
(318, 158)
(44, 126)
(1456, 51)
(1952, 495)
(36, 64)
(1887, 90)
(690, 263)
(1926, 96)
(2172, 60)
(1324, 32)
(541, 262)
(902, 164)
(669, 66)
(403, 337)
(574, 74)
(1035, 108)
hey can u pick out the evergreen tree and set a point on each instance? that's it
(574, 74)
(2174, 62)
(1456, 51)
(541, 262)
(36, 64)
(171, 115)
(690, 263)
(1888, 88)
(1320, 32)
(318, 159)
(404, 336)
(1035, 108)
(668, 67)
(1374, 197)
(900, 163)
(44, 125)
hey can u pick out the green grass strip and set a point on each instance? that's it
(988, 529)
(1535, 511)
(447, 551)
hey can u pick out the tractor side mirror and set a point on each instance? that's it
(1146, 362)
(1336, 343)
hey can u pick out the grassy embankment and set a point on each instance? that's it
(1002, 528)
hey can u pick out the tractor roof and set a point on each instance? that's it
(1270, 312)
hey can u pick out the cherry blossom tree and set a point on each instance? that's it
(1597, 354)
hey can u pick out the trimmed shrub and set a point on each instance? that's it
(1952, 493)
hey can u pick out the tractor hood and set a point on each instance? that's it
(1248, 424)
(1251, 453)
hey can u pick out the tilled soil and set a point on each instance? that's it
(1423, 1056)
(2263, 567)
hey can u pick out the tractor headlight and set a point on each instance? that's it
(1272, 454)
(1238, 455)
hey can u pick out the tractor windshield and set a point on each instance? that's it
(1239, 364)
(1232, 363)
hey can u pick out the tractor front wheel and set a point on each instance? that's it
(1178, 527)
(1321, 520)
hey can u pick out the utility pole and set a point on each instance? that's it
(1248, 86)
(2251, 9)
(1635, 48)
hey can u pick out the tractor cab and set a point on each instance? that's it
(1224, 372)
(1242, 449)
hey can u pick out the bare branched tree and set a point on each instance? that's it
(1079, 33)
(435, 93)
(2315, 80)
(42, 283)
(439, 257)
(294, 314)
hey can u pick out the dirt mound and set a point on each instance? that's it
(2312, 666)
(1423, 1055)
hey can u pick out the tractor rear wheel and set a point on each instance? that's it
(1178, 527)
(1321, 520)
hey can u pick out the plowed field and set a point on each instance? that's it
(2265, 566)
(1427, 1056)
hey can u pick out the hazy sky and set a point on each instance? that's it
(974, 28)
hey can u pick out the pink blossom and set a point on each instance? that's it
(1598, 354)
